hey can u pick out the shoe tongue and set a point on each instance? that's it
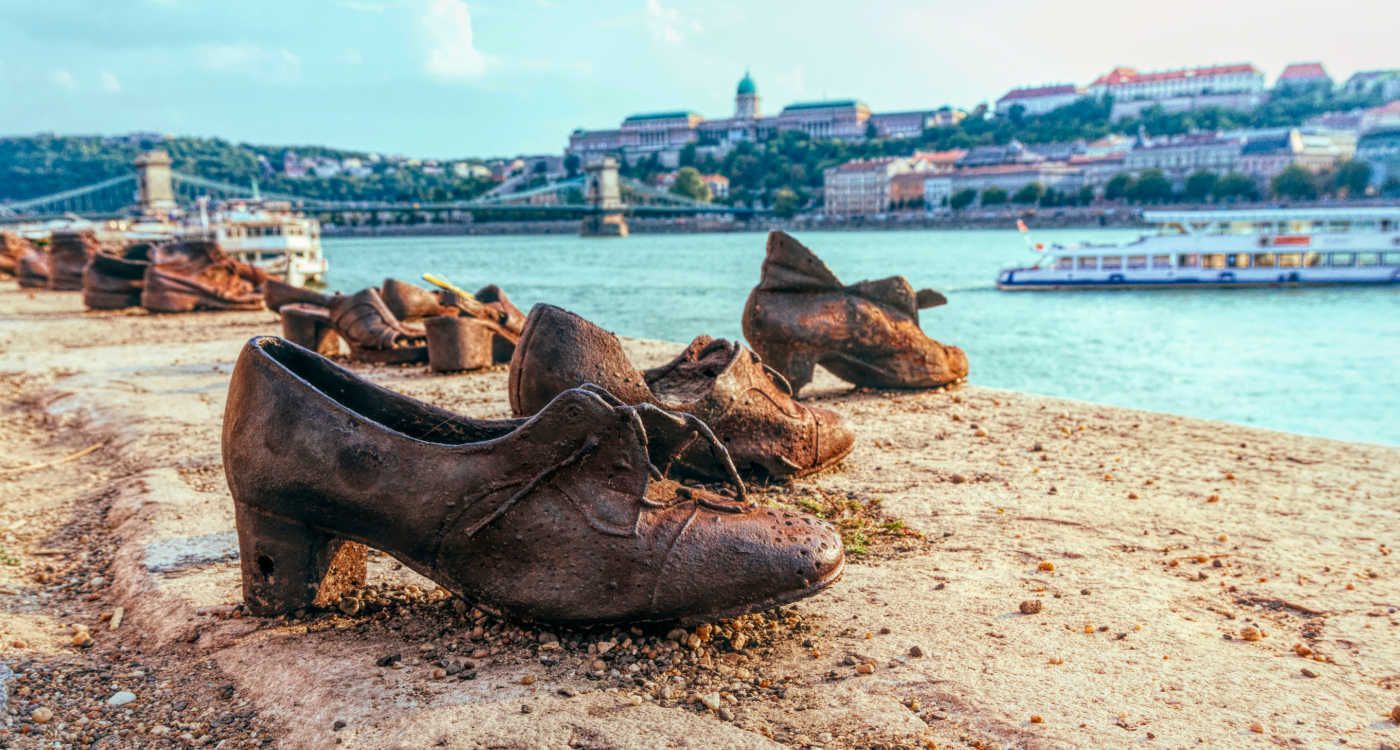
(790, 266)
(691, 375)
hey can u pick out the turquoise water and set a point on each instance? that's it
(1322, 361)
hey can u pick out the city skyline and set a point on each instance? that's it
(441, 78)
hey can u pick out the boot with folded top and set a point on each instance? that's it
(374, 333)
(560, 518)
(69, 253)
(867, 334)
(749, 408)
(113, 280)
(191, 275)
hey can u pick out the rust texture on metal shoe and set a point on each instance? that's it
(191, 275)
(310, 326)
(32, 268)
(69, 253)
(12, 246)
(457, 344)
(557, 518)
(867, 333)
(113, 280)
(725, 385)
(490, 305)
(374, 333)
(279, 294)
(410, 302)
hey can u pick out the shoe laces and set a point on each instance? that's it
(698, 430)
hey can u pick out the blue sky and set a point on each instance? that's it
(448, 78)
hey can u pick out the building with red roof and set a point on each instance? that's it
(1037, 100)
(1238, 86)
(1299, 76)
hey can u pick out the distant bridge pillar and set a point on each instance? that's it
(604, 195)
(153, 177)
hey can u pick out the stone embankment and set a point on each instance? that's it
(1025, 571)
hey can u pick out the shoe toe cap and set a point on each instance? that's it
(834, 438)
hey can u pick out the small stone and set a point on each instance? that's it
(606, 646)
(41, 715)
(1030, 607)
(711, 701)
(1045, 565)
(865, 668)
(957, 479)
(1251, 633)
(1395, 714)
(438, 673)
(528, 679)
(1256, 728)
(526, 708)
(725, 714)
(598, 665)
(704, 630)
(338, 725)
(739, 641)
(1308, 673)
(677, 634)
(916, 652)
(121, 698)
(1036, 719)
(388, 660)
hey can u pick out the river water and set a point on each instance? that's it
(1322, 361)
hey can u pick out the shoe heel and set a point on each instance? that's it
(795, 365)
(288, 565)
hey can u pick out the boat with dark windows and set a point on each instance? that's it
(1228, 249)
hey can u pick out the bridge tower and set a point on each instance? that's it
(153, 178)
(604, 196)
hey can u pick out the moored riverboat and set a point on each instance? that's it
(1228, 249)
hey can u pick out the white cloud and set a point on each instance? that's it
(449, 49)
(270, 65)
(63, 79)
(667, 25)
(109, 82)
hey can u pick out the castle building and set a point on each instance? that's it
(664, 134)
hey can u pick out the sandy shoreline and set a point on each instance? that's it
(1173, 542)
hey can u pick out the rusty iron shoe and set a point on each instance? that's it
(69, 253)
(278, 294)
(374, 333)
(556, 519)
(768, 434)
(195, 275)
(113, 280)
(410, 302)
(32, 268)
(867, 334)
(12, 246)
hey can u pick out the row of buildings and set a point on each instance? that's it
(1235, 86)
(873, 186)
(665, 134)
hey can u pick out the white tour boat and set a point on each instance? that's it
(268, 235)
(1228, 248)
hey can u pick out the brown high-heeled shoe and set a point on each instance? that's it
(768, 434)
(867, 334)
(558, 518)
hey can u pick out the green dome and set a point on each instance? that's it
(746, 85)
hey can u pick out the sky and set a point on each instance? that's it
(449, 79)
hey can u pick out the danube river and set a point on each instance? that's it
(1322, 361)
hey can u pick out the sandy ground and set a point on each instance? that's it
(1197, 584)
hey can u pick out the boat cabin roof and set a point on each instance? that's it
(1268, 215)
